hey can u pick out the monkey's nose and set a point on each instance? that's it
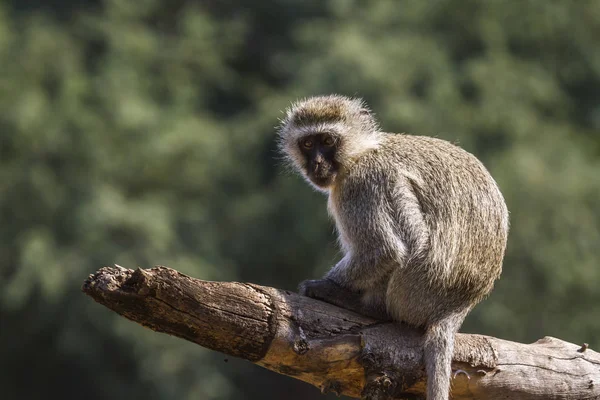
(316, 165)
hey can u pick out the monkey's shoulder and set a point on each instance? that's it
(415, 147)
(399, 156)
(373, 169)
(435, 158)
(435, 170)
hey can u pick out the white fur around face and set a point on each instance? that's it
(350, 145)
(347, 119)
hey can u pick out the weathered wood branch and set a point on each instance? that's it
(332, 348)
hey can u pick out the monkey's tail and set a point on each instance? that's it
(438, 350)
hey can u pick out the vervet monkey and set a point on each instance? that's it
(421, 223)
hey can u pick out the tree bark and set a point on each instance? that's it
(335, 349)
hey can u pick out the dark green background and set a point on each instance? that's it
(142, 133)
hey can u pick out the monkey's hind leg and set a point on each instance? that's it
(330, 292)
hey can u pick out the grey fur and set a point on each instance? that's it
(422, 224)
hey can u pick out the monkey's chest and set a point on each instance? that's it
(342, 231)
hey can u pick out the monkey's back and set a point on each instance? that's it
(466, 219)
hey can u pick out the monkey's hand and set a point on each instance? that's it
(323, 289)
(330, 292)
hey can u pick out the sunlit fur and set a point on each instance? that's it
(348, 120)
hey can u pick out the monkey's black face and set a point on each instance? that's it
(319, 151)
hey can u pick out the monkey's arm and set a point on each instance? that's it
(382, 227)
(330, 292)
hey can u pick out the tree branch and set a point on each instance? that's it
(330, 347)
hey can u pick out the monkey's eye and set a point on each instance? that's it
(329, 141)
(307, 143)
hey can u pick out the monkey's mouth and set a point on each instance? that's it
(322, 177)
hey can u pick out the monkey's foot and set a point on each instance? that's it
(390, 368)
(330, 292)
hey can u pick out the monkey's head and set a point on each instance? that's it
(321, 136)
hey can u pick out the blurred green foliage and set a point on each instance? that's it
(141, 133)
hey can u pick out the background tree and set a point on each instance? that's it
(141, 133)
